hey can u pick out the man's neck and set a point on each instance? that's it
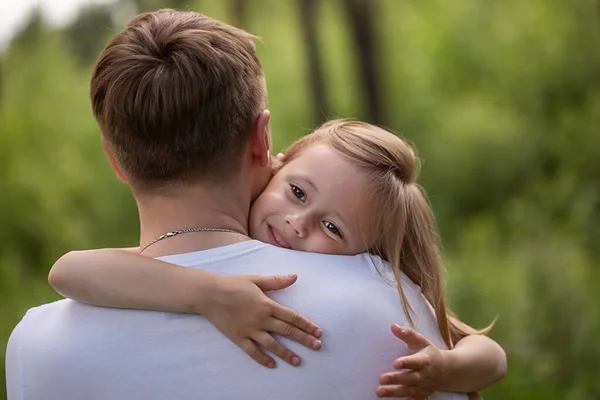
(193, 207)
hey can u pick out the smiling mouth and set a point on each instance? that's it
(276, 238)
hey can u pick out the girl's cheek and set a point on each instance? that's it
(281, 197)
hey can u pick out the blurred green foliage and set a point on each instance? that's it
(502, 99)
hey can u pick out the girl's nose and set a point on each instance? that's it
(297, 225)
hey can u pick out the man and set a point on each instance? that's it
(181, 103)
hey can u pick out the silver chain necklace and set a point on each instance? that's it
(178, 232)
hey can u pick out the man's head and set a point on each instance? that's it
(180, 98)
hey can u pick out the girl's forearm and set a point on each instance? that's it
(475, 363)
(122, 279)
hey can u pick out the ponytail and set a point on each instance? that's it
(420, 260)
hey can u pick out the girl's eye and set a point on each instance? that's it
(332, 228)
(298, 192)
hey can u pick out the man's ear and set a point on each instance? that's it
(261, 139)
(113, 162)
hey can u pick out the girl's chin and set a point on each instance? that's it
(259, 234)
(260, 238)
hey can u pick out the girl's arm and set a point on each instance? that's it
(237, 305)
(122, 279)
(475, 363)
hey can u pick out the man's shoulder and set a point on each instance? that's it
(44, 311)
(35, 312)
(66, 317)
(361, 267)
(365, 261)
(53, 305)
(322, 259)
(29, 327)
(250, 253)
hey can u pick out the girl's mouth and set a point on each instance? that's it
(276, 238)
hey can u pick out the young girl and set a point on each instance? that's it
(310, 205)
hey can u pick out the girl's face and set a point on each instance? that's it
(318, 202)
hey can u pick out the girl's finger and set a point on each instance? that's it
(405, 392)
(274, 282)
(395, 391)
(291, 332)
(415, 362)
(411, 337)
(405, 378)
(269, 343)
(255, 353)
(293, 318)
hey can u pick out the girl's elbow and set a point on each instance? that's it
(58, 275)
(502, 367)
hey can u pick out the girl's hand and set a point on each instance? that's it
(421, 371)
(241, 311)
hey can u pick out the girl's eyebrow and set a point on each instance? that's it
(306, 179)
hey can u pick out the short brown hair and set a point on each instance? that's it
(175, 94)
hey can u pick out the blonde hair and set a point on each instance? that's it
(404, 222)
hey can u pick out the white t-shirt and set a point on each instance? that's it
(67, 350)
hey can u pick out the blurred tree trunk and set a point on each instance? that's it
(360, 18)
(308, 16)
(87, 34)
(239, 10)
(30, 34)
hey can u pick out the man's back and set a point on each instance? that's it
(67, 350)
